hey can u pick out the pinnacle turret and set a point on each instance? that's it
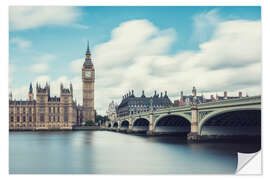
(31, 88)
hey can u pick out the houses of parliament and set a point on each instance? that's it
(45, 112)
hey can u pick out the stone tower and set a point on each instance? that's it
(42, 97)
(88, 80)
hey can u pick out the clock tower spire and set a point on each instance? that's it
(88, 59)
(88, 80)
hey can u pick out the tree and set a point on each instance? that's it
(101, 119)
(89, 123)
(106, 118)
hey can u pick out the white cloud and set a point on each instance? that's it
(39, 68)
(75, 66)
(234, 43)
(131, 39)
(27, 17)
(204, 25)
(77, 88)
(229, 60)
(42, 79)
(135, 58)
(11, 70)
(20, 93)
(20, 42)
(43, 63)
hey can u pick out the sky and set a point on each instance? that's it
(216, 49)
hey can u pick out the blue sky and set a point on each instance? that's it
(48, 44)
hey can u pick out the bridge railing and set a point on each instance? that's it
(168, 109)
(229, 101)
(171, 109)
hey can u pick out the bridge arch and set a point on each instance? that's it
(124, 124)
(188, 118)
(109, 125)
(232, 115)
(172, 123)
(115, 125)
(140, 124)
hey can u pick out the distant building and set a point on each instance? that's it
(225, 96)
(188, 100)
(112, 111)
(134, 105)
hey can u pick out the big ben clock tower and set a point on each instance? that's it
(88, 80)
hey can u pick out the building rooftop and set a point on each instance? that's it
(130, 99)
(21, 102)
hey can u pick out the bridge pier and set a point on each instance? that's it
(130, 124)
(129, 130)
(151, 124)
(194, 134)
(119, 126)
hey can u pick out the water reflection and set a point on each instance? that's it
(102, 152)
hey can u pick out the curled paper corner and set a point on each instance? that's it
(249, 163)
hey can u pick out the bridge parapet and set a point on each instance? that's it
(173, 109)
(197, 114)
(155, 113)
(228, 102)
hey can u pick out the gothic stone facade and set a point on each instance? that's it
(46, 112)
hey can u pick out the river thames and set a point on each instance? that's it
(105, 152)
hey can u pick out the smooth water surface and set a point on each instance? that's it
(103, 152)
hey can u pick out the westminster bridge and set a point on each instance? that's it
(240, 116)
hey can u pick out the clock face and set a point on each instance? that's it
(87, 74)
